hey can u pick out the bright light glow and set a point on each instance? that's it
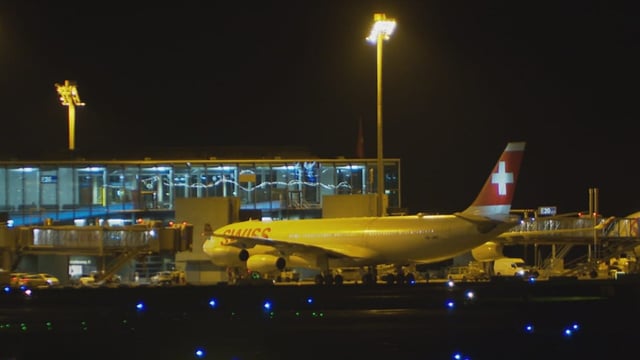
(528, 328)
(92, 169)
(69, 94)
(116, 222)
(568, 332)
(200, 353)
(212, 303)
(459, 356)
(381, 27)
(158, 168)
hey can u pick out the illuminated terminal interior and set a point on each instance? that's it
(86, 192)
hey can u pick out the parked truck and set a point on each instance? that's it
(472, 272)
(512, 267)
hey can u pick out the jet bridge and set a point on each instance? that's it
(121, 243)
(603, 239)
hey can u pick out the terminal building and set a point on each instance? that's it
(102, 192)
(83, 191)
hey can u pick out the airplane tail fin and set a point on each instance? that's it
(494, 200)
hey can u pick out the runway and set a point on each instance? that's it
(490, 320)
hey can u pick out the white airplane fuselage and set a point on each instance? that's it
(366, 240)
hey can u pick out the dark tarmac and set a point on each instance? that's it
(559, 319)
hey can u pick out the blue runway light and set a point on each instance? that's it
(309, 300)
(6, 289)
(529, 328)
(212, 303)
(569, 331)
(450, 304)
(140, 306)
(200, 353)
(460, 356)
(267, 305)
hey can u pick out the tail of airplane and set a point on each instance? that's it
(494, 200)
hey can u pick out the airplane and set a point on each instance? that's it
(327, 244)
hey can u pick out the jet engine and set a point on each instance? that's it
(488, 251)
(265, 263)
(230, 256)
(226, 256)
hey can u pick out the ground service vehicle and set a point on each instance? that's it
(168, 278)
(161, 278)
(466, 273)
(288, 275)
(511, 267)
(32, 281)
(14, 278)
(85, 280)
(50, 279)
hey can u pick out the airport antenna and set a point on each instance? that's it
(69, 97)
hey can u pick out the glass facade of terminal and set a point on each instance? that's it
(65, 192)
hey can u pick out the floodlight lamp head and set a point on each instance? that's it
(382, 27)
(69, 94)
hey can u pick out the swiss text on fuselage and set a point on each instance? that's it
(261, 232)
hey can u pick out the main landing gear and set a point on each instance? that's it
(330, 279)
(327, 278)
(399, 279)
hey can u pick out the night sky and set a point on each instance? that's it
(461, 79)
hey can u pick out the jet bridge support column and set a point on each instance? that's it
(593, 212)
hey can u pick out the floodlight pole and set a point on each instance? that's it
(380, 154)
(382, 30)
(69, 97)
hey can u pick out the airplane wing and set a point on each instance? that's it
(342, 251)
